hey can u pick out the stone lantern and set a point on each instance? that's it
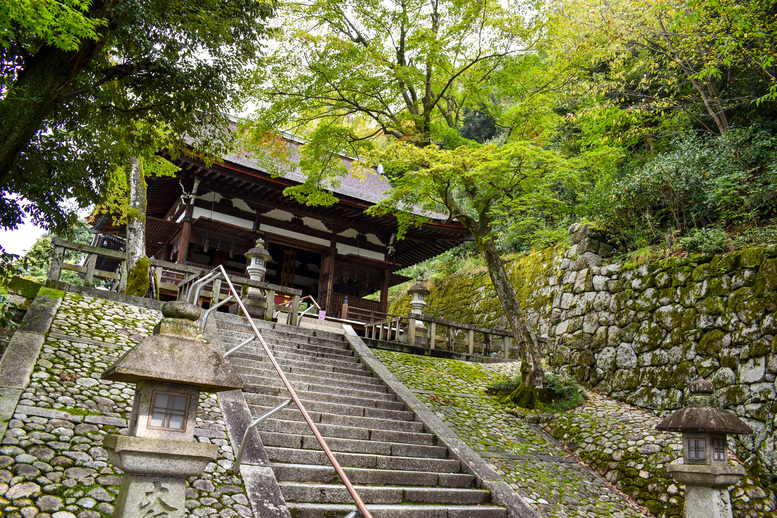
(418, 291)
(704, 468)
(255, 300)
(170, 369)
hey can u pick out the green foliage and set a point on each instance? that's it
(558, 394)
(710, 240)
(698, 182)
(504, 386)
(145, 80)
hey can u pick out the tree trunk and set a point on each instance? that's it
(136, 221)
(137, 264)
(526, 338)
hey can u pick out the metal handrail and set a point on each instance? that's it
(253, 425)
(321, 441)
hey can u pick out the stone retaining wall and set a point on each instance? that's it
(641, 333)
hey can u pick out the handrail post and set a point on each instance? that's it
(506, 347)
(471, 341)
(253, 425)
(432, 335)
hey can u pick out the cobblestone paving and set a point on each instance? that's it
(52, 464)
(553, 482)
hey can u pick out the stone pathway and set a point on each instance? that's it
(618, 440)
(52, 464)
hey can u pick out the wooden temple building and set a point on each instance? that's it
(212, 214)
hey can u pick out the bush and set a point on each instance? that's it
(709, 240)
(698, 182)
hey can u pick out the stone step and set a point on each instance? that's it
(338, 494)
(322, 408)
(304, 510)
(323, 397)
(405, 424)
(348, 432)
(273, 340)
(255, 349)
(257, 376)
(227, 321)
(283, 455)
(274, 386)
(310, 361)
(262, 368)
(368, 476)
(339, 444)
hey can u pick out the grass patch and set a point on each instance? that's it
(557, 396)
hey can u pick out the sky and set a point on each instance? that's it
(19, 241)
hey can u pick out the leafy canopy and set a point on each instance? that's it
(85, 85)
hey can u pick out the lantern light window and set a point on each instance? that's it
(168, 411)
(697, 449)
(718, 449)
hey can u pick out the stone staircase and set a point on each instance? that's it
(398, 467)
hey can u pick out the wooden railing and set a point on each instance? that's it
(169, 277)
(442, 334)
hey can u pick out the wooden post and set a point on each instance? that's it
(294, 310)
(216, 295)
(123, 278)
(384, 288)
(411, 331)
(506, 348)
(183, 242)
(268, 313)
(90, 265)
(471, 341)
(487, 347)
(451, 337)
(344, 308)
(432, 335)
(56, 263)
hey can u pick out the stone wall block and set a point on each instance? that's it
(753, 371)
(613, 336)
(600, 283)
(626, 357)
(766, 280)
(602, 301)
(586, 260)
(647, 300)
(723, 377)
(649, 336)
(606, 318)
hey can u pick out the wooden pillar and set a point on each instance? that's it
(432, 335)
(384, 289)
(471, 341)
(183, 243)
(330, 276)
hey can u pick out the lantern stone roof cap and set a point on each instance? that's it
(258, 250)
(173, 355)
(418, 287)
(700, 416)
(704, 419)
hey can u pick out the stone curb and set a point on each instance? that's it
(262, 489)
(501, 492)
(20, 356)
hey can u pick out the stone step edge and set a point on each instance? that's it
(354, 472)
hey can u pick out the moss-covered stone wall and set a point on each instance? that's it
(641, 333)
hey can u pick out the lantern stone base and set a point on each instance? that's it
(155, 473)
(706, 488)
(717, 476)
